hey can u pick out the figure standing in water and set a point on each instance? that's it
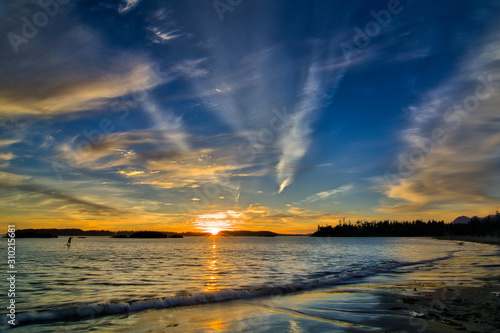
(69, 242)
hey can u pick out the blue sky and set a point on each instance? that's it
(277, 115)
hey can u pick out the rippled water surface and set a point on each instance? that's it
(106, 270)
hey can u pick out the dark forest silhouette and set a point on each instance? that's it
(488, 226)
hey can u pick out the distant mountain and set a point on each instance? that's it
(461, 220)
(466, 219)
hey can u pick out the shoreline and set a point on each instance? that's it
(475, 239)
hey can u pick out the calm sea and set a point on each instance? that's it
(99, 276)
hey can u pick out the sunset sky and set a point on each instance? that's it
(247, 114)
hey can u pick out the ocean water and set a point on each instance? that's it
(101, 276)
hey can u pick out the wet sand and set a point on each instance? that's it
(454, 308)
(459, 295)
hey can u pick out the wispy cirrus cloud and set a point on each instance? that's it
(163, 28)
(85, 80)
(149, 158)
(244, 93)
(326, 194)
(5, 159)
(6, 156)
(324, 74)
(117, 149)
(17, 183)
(317, 92)
(169, 125)
(162, 36)
(451, 154)
(127, 5)
(8, 142)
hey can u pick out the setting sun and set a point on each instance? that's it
(214, 231)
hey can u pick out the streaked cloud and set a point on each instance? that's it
(169, 125)
(21, 183)
(161, 36)
(5, 159)
(12, 179)
(83, 80)
(76, 93)
(318, 90)
(137, 157)
(127, 5)
(8, 142)
(6, 156)
(326, 194)
(451, 156)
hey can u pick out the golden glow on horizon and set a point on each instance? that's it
(215, 222)
(255, 217)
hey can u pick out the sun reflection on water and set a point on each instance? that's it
(211, 284)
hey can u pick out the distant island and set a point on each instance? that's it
(486, 226)
(37, 233)
(34, 234)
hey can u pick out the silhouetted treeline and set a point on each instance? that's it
(65, 232)
(31, 234)
(476, 227)
(487, 226)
